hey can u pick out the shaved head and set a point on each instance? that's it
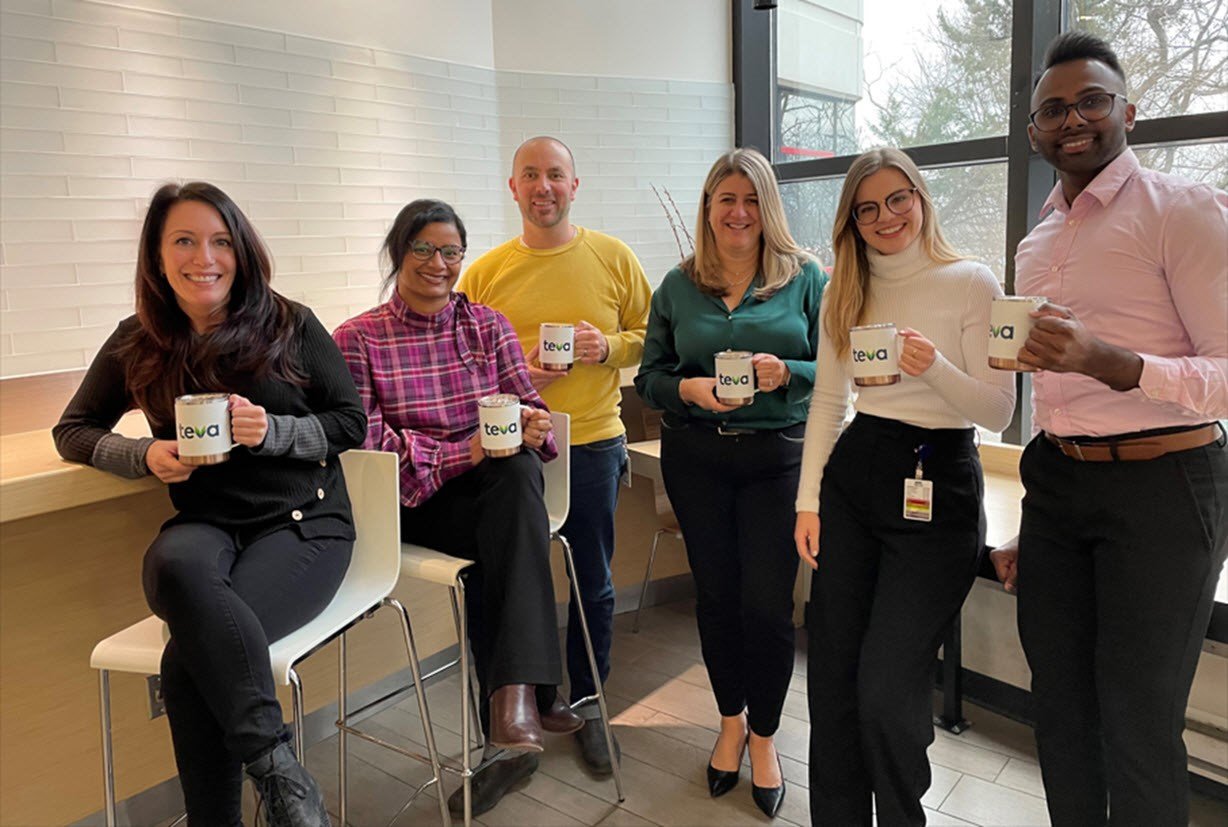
(544, 139)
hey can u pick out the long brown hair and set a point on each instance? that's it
(850, 277)
(780, 257)
(164, 357)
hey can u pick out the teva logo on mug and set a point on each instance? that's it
(198, 431)
(500, 430)
(1002, 331)
(734, 381)
(556, 347)
(879, 355)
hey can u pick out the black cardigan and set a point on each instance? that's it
(249, 495)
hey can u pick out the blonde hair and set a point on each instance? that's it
(847, 293)
(780, 258)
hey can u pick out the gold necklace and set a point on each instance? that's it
(729, 285)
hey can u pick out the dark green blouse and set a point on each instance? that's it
(686, 327)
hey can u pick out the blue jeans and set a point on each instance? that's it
(595, 471)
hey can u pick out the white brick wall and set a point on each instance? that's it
(320, 142)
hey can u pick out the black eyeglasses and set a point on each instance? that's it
(898, 202)
(424, 250)
(1091, 108)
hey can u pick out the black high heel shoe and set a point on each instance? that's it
(722, 781)
(768, 799)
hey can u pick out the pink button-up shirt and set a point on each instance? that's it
(1141, 258)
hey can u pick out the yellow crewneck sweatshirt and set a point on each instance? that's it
(595, 278)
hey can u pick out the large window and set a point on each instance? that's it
(949, 81)
(1174, 52)
(971, 201)
(889, 73)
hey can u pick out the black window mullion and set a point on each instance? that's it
(754, 77)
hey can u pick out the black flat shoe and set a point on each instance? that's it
(492, 782)
(722, 781)
(769, 799)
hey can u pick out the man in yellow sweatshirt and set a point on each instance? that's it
(558, 272)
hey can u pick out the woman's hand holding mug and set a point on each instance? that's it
(534, 425)
(248, 423)
(917, 353)
(770, 372)
(162, 459)
(701, 391)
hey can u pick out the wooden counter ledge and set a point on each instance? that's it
(34, 480)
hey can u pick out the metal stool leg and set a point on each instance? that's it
(652, 555)
(473, 695)
(296, 694)
(428, 731)
(108, 757)
(463, 642)
(342, 734)
(615, 763)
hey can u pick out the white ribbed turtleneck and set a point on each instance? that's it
(948, 304)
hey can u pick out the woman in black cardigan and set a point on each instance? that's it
(261, 542)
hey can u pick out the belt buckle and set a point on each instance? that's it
(1078, 451)
(720, 429)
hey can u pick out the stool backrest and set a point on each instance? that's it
(373, 480)
(557, 473)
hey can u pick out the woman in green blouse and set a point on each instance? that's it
(731, 472)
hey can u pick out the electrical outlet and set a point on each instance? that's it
(157, 706)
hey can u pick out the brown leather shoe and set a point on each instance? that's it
(560, 719)
(514, 721)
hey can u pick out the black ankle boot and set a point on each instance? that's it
(289, 794)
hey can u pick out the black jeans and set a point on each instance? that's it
(884, 594)
(1118, 563)
(224, 602)
(733, 497)
(495, 514)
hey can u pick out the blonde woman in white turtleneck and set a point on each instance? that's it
(886, 588)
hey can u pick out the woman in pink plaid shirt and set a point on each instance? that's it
(421, 361)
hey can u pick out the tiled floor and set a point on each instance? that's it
(665, 718)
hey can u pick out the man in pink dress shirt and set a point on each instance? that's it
(1125, 523)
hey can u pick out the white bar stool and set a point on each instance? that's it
(435, 567)
(373, 482)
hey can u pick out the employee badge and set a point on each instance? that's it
(919, 492)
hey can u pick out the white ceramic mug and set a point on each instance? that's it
(499, 424)
(875, 350)
(1009, 326)
(202, 428)
(556, 348)
(735, 377)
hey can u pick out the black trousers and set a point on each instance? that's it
(733, 497)
(884, 594)
(495, 514)
(1118, 563)
(224, 602)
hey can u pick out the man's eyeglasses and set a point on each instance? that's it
(898, 202)
(1091, 108)
(424, 250)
